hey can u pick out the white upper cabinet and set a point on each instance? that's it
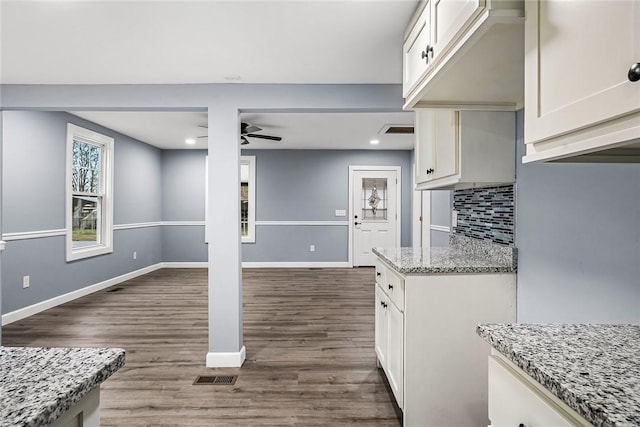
(580, 96)
(465, 54)
(461, 149)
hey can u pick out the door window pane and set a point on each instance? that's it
(374, 199)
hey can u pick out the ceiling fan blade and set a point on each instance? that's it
(248, 128)
(204, 136)
(269, 137)
(245, 141)
(203, 126)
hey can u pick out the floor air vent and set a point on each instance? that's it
(216, 380)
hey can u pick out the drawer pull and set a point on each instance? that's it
(634, 72)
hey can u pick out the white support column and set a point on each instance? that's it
(226, 347)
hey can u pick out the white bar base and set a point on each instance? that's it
(226, 360)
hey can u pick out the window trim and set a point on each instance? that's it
(251, 197)
(106, 143)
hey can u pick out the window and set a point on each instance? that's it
(248, 199)
(89, 204)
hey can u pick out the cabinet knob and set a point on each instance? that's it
(521, 425)
(425, 53)
(634, 72)
(390, 286)
(429, 171)
(357, 223)
(378, 273)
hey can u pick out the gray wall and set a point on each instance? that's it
(33, 196)
(309, 185)
(440, 215)
(183, 199)
(578, 239)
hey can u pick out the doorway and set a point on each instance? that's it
(374, 211)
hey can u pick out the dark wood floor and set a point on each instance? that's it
(308, 334)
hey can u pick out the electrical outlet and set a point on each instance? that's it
(135, 255)
(25, 282)
(312, 248)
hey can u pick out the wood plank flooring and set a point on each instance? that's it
(308, 334)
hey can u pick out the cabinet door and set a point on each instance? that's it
(414, 59)
(513, 402)
(381, 327)
(425, 164)
(445, 137)
(395, 353)
(450, 17)
(577, 56)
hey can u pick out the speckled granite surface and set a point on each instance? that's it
(37, 385)
(594, 369)
(464, 255)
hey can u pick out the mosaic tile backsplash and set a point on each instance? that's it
(486, 213)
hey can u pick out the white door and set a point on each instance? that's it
(374, 212)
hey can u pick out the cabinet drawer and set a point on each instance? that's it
(515, 400)
(393, 286)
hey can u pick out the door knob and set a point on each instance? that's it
(634, 72)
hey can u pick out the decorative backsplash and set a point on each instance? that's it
(486, 213)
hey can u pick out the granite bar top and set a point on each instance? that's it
(464, 255)
(594, 369)
(37, 384)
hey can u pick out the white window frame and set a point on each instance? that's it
(251, 226)
(106, 180)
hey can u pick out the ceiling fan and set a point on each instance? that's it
(247, 130)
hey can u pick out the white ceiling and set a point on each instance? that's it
(239, 41)
(337, 131)
(268, 41)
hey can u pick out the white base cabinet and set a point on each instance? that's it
(579, 97)
(517, 399)
(427, 346)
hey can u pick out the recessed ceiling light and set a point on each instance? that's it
(374, 142)
(190, 141)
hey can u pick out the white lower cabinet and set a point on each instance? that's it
(515, 399)
(427, 345)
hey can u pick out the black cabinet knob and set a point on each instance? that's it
(378, 273)
(357, 223)
(521, 425)
(390, 286)
(634, 72)
(425, 53)
(429, 171)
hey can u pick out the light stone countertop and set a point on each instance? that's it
(38, 385)
(594, 369)
(464, 255)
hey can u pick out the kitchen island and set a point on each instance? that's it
(54, 386)
(581, 374)
(428, 302)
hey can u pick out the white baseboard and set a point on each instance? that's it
(227, 359)
(295, 265)
(70, 296)
(203, 264)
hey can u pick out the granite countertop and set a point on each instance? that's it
(37, 385)
(594, 369)
(463, 255)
